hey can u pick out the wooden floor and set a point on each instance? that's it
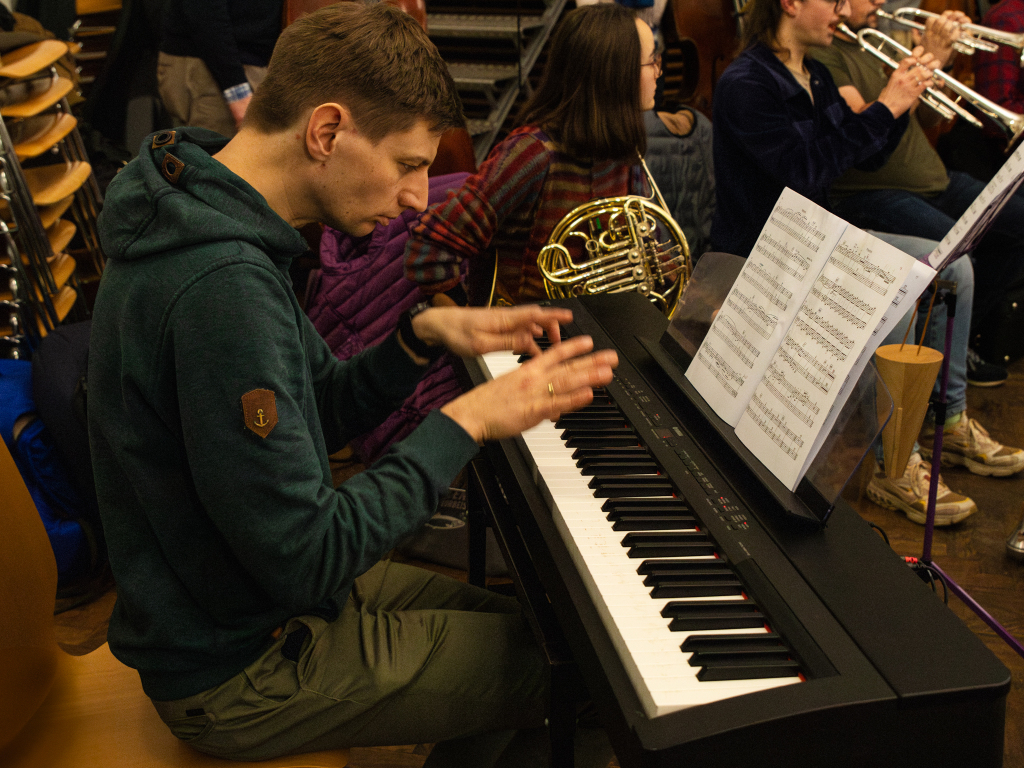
(972, 553)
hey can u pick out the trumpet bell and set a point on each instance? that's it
(616, 245)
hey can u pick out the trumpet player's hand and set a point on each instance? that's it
(468, 331)
(906, 84)
(559, 380)
(940, 32)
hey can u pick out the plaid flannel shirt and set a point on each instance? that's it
(998, 76)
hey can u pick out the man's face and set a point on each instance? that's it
(816, 20)
(364, 184)
(862, 13)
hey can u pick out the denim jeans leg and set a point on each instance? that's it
(893, 210)
(962, 273)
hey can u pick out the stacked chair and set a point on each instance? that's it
(47, 194)
(64, 711)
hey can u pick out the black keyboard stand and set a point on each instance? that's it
(488, 505)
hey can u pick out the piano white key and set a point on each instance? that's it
(659, 670)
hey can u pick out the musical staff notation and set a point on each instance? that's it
(736, 342)
(721, 370)
(775, 427)
(784, 256)
(849, 297)
(752, 313)
(813, 332)
(791, 395)
(835, 306)
(855, 263)
(827, 379)
(773, 290)
(796, 224)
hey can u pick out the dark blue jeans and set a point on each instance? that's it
(999, 257)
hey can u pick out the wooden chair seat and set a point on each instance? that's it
(50, 184)
(57, 90)
(60, 234)
(62, 711)
(98, 717)
(48, 214)
(29, 59)
(86, 7)
(49, 130)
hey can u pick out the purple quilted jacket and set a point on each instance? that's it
(355, 300)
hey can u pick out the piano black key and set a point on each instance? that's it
(755, 670)
(665, 523)
(631, 486)
(750, 658)
(714, 586)
(608, 430)
(738, 643)
(648, 545)
(631, 512)
(653, 570)
(590, 417)
(635, 467)
(702, 615)
(610, 454)
(601, 441)
(646, 506)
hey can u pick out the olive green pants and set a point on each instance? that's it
(415, 657)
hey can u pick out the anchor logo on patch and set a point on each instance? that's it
(259, 409)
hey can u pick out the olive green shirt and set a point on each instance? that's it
(914, 166)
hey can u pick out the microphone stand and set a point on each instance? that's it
(949, 297)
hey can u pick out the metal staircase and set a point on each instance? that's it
(491, 47)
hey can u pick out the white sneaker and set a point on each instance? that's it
(909, 494)
(968, 443)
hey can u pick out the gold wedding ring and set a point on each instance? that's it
(551, 389)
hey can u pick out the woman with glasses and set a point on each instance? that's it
(580, 137)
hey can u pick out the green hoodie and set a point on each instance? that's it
(217, 535)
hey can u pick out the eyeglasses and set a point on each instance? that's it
(654, 62)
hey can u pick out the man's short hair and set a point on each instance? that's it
(374, 59)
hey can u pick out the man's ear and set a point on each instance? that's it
(788, 7)
(324, 123)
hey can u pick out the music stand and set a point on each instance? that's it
(949, 297)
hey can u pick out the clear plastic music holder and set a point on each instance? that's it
(861, 418)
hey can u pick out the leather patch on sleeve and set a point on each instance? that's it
(259, 407)
(171, 168)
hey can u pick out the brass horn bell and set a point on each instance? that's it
(611, 245)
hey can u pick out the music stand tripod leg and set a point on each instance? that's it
(939, 404)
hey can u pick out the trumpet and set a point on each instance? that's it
(974, 37)
(1012, 123)
(620, 250)
(967, 43)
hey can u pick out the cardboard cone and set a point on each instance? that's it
(909, 372)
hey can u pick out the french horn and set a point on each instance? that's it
(616, 242)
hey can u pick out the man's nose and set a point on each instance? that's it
(415, 194)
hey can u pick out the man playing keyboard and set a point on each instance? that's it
(250, 594)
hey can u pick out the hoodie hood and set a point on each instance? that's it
(174, 196)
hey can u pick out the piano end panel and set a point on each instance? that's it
(946, 733)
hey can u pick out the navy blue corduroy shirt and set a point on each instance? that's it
(768, 135)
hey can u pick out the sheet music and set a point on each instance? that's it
(793, 246)
(799, 323)
(973, 225)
